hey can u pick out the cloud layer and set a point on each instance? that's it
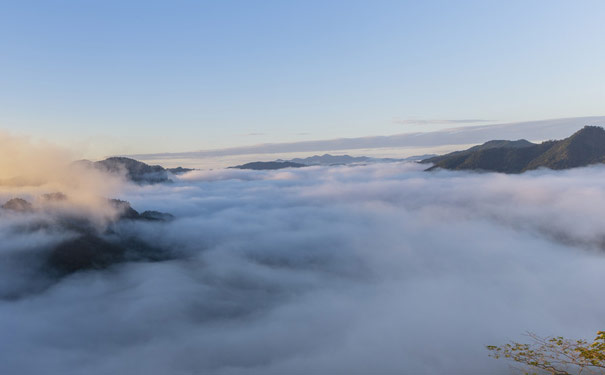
(530, 130)
(342, 270)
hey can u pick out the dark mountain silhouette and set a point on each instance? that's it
(127, 212)
(486, 146)
(96, 252)
(54, 197)
(87, 246)
(416, 158)
(325, 159)
(328, 159)
(269, 165)
(179, 170)
(84, 252)
(134, 170)
(19, 205)
(585, 147)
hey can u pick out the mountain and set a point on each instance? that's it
(585, 147)
(328, 159)
(136, 171)
(124, 209)
(179, 170)
(416, 158)
(127, 212)
(325, 159)
(269, 165)
(86, 245)
(18, 205)
(486, 146)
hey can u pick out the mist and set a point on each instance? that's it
(29, 169)
(343, 270)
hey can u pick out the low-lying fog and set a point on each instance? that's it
(378, 269)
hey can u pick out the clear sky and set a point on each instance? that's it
(160, 76)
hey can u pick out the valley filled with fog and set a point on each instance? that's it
(382, 268)
(302, 187)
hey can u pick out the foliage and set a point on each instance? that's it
(585, 147)
(556, 355)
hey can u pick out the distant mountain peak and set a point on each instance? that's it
(590, 129)
(588, 135)
(269, 165)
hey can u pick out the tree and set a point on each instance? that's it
(555, 355)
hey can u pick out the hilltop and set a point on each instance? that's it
(324, 160)
(585, 147)
(134, 170)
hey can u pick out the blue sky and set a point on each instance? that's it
(166, 76)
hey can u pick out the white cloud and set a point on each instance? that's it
(341, 270)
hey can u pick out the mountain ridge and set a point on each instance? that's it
(86, 245)
(584, 147)
(134, 170)
(323, 160)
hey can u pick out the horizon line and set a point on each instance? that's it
(451, 136)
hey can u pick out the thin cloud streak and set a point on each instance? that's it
(431, 122)
(531, 130)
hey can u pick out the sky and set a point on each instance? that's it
(115, 77)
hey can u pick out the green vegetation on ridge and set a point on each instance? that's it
(585, 147)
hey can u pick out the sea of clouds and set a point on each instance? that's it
(377, 269)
